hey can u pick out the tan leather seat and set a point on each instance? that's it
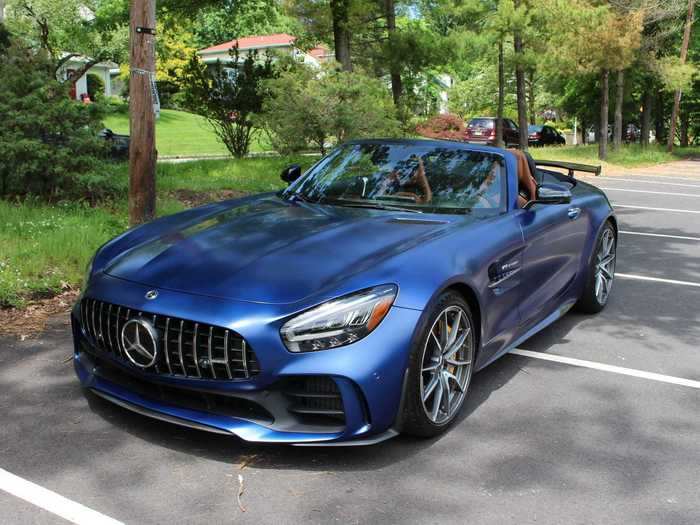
(526, 182)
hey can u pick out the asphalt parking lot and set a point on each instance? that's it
(609, 432)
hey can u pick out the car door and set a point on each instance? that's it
(554, 236)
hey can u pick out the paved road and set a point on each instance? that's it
(538, 441)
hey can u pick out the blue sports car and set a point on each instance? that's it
(351, 306)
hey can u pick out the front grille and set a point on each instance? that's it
(187, 348)
(314, 398)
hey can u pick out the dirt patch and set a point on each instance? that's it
(30, 322)
(192, 199)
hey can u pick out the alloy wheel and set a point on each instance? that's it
(446, 365)
(605, 266)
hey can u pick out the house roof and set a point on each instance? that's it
(263, 42)
(253, 42)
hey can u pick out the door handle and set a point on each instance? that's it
(573, 213)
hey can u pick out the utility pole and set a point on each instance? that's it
(142, 123)
(684, 56)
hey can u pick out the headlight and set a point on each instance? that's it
(339, 322)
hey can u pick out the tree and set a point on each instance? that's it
(684, 54)
(228, 97)
(307, 107)
(593, 39)
(231, 19)
(65, 29)
(49, 142)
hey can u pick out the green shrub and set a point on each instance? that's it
(95, 87)
(228, 98)
(307, 107)
(47, 140)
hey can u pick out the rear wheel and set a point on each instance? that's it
(440, 368)
(601, 273)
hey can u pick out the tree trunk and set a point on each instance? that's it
(520, 90)
(501, 96)
(619, 99)
(659, 117)
(603, 129)
(142, 151)
(647, 103)
(341, 33)
(584, 133)
(684, 55)
(396, 84)
(685, 124)
(531, 99)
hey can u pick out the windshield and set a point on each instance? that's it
(534, 129)
(411, 177)
(488, 123)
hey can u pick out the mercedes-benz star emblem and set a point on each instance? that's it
(151, 294)
(140, 342)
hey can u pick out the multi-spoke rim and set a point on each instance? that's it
(605, 266)
(446, 365)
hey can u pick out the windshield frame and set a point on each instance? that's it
(499, 155)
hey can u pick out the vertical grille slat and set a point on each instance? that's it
(117, 332)
(167, 349)
(179, 348)
(226, 359)
(244, 360)
(194, 350)
(109, 332)
(199, 346)
(211, 357)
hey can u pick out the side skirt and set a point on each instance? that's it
(544, 323)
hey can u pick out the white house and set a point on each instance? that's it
(104, 70)
(263, 43)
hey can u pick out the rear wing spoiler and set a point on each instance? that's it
(570, 166)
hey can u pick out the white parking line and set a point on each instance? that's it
(654, 209)
(615, 179)
(608, 368)
(656, 279)
(676, 194)
(647, 234)
(52, 502)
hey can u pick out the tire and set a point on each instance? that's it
(593, 299)
(440, 360)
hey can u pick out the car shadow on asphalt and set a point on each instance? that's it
(273, 456)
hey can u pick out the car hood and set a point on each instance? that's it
(269, 250)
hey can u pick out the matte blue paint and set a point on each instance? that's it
(251, 264)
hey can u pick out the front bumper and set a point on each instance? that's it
(368, 374)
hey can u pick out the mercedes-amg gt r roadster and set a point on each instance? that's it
(351, 306)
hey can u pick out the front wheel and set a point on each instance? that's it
(601, 273)
(440, 368)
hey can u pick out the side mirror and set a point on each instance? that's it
(291, 173)
(551, 194)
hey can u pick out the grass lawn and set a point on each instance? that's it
(632, 156)
(179, 133)
(45, 247)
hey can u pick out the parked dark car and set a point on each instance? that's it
(544, 136)
(632, 134)
(482, 130)
(118, 144)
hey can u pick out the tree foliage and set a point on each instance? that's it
(49, 142)
(227, 97)
(307, 107)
